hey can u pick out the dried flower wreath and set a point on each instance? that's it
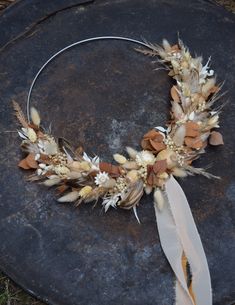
(166, 152)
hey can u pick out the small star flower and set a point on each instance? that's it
(101, 178)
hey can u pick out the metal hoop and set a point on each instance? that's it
(69, 47)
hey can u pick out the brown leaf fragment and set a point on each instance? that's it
(62, 188)
(195, 143)
(151, 134)
(157, 146)
(23, 164)
(32, 163)
(160, 166)
(216, 138)
(175, 94)
(109, 168)
(192, 129)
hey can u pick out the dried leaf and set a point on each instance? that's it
(175, 94)
(216, 138)
(151, 134)
(157, 146)
(109, 168)
(195, 143)
(160, 166)
(32, 163)
(23, 164)
(192, 129)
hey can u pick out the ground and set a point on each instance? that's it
(10, 293)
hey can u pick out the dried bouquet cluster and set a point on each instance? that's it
(165, 151)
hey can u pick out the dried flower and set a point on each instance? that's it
(101, 178)
(145, 157)
(110, 201)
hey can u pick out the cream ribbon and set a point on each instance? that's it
(178, 234)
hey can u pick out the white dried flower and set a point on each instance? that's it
(94, 162)
(145, 157)
(110, 201)
(101, 178)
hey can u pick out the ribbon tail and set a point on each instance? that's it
(173, 250)
(189, 238)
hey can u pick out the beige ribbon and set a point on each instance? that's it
(178, 235)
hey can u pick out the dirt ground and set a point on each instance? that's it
(10, 293)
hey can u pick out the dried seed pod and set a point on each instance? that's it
(35, 116)
(85, 191)
(130, 165)
(159, 199)
(119, 158)
(85, 166)
(31, 134)
(51, 182)
(179, 135)
(131, 152)
(179, 172)
(148, 189)
(70, 197)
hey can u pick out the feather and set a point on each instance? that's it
(19, 114)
